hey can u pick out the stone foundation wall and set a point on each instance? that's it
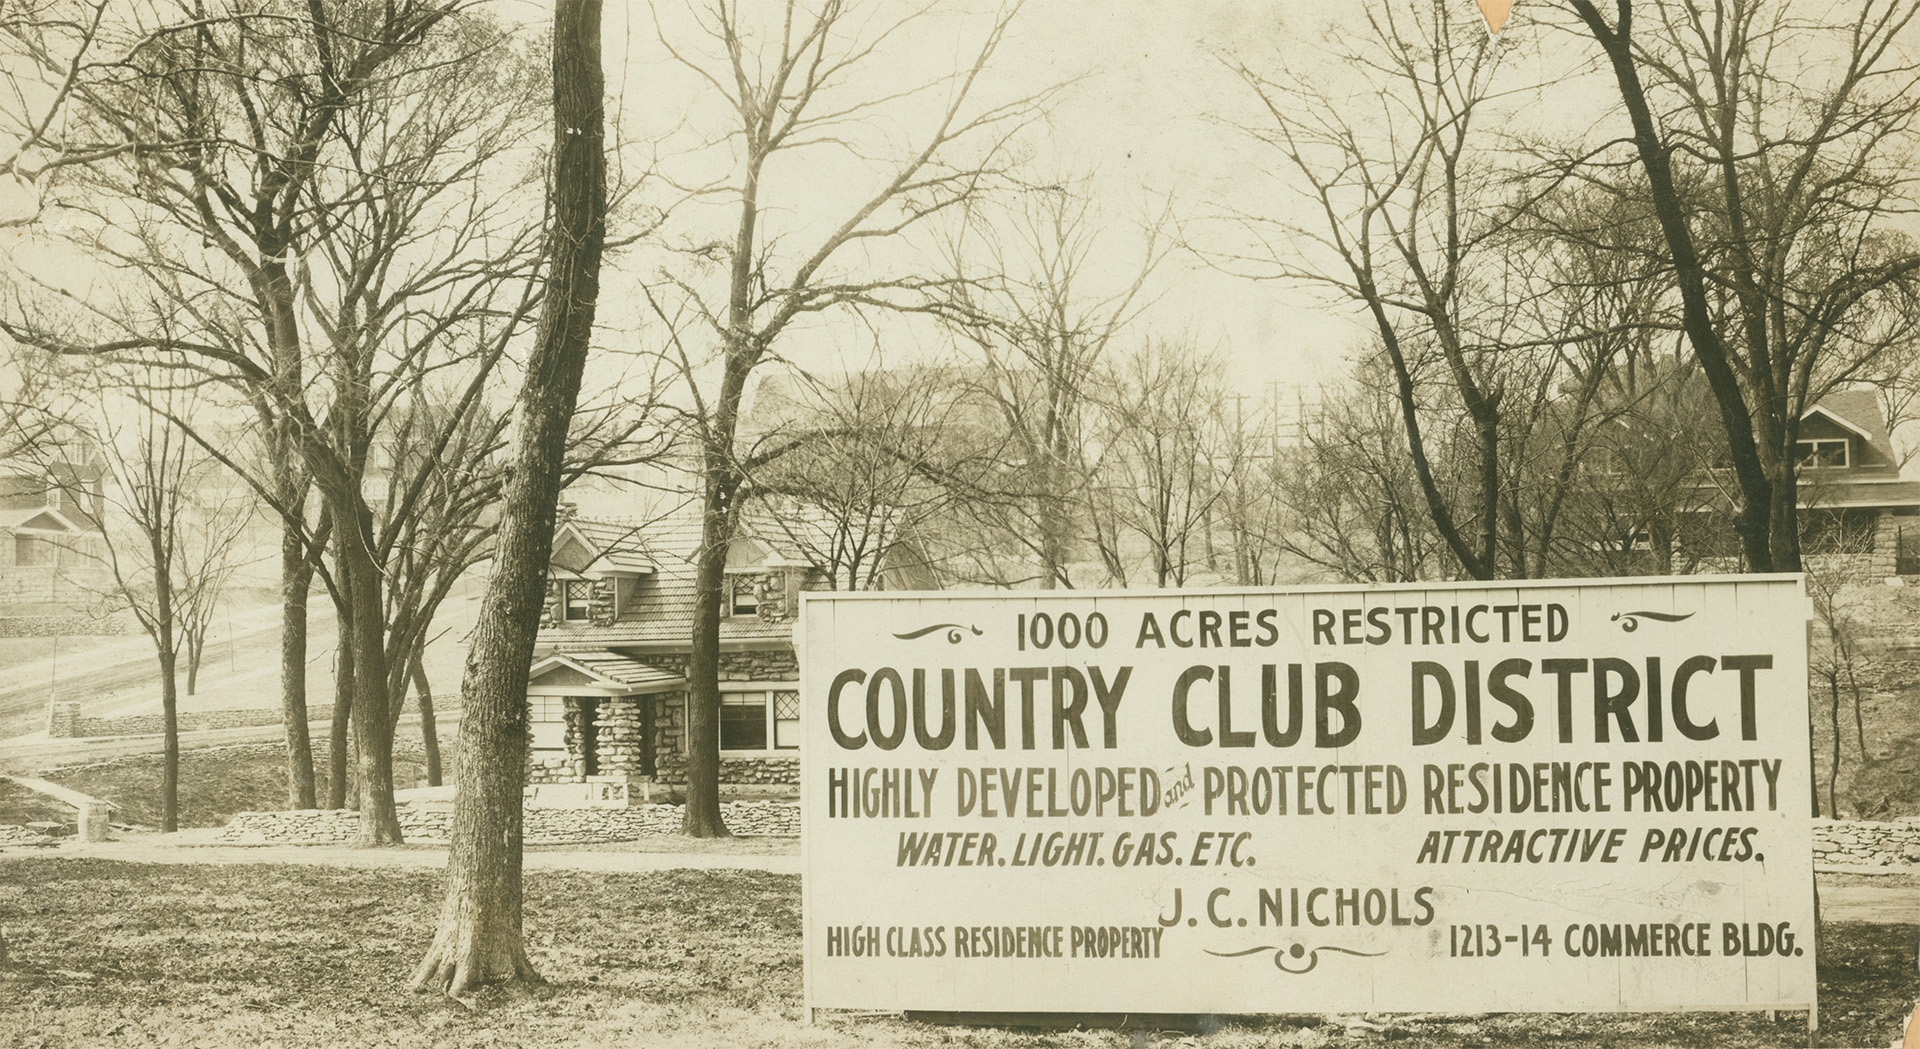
(760, 771)
(431, 823)
(550, 768)
(1848, 569)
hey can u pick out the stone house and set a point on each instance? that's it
(607, 692)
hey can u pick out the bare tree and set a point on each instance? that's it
(1352, 506)
(479, 939)
(331, 253)
(1036, 322)
(1249, 516)
(1407, 210)
(170, 528)
(795, 88)
(1164, 458)
(1837, 664)
(854, 484)
(1776, 148)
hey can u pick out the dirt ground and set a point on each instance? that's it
(104, 953)
(215, 782)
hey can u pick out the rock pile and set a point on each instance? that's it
(432, 822)
(12, 834)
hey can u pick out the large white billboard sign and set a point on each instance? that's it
(1548, 796)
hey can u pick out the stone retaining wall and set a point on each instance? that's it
(1866, 843)
(64, 721)
(430, 823)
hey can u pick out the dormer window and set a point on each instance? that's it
(579, 600)
(745, 597)
(1826, 452)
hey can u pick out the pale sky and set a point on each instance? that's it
(1147, 120)
(1142, 120)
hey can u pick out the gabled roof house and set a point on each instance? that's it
(607, 691)
(50, 542)
(1852, 496)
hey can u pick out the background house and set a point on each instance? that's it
(50, 542)
(1853, 499)
(607, 693)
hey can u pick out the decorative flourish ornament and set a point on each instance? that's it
(1630, 621)
(954, 632)
(1282, 956)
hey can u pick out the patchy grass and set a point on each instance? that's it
(215, 782)
(1887, 784)
(106, 953)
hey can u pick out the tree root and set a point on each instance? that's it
(458, 970)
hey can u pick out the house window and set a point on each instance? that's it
(786, 720)
(28, 550)
(1821, 453)
(743, 721)
(749, 720)
(745, 599)
(579, 600)
(546, 716)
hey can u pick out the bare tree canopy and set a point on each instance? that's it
(795, 85)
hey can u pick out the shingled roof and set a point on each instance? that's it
(661, 609)
(1859, 411)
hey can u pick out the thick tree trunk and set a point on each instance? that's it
(296, 580)
(479, 939)
(1784, 525)
(167, 649)
(342, 716)
(701, 818)
(429, 732)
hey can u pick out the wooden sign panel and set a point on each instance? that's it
(1543, 796)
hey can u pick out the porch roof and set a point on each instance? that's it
(601, 672)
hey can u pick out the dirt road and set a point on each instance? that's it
(93, 675)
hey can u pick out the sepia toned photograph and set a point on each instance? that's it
(842, 523)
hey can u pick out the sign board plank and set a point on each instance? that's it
(1511, 796)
